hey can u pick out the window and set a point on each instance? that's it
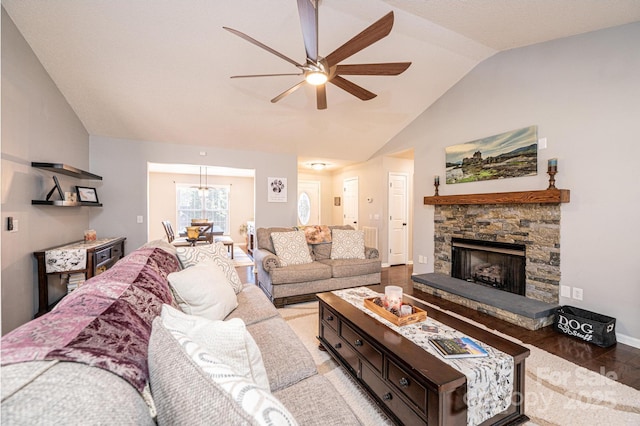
(211, 204)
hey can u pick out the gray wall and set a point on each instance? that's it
(123, 165)
(583, 93)
(37, 125)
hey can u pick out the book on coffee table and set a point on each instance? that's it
(458, 347)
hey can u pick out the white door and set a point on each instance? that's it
(398, 219)
(350, 194)
(309, 202)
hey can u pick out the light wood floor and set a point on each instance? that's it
(623, 360)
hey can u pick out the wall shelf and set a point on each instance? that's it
(547, 196)
(65, 169)
(60, 203)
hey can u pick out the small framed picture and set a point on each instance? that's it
(87, 195)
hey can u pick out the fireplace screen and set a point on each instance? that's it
(498, 265)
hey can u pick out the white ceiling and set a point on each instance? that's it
(159, 70)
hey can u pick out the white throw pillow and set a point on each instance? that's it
(203, 290)
(291, 247)
(347, 244)
(190, 256)
(229, 341)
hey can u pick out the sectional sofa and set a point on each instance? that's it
(326, 268)
(106, 355)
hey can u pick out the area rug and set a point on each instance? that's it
(557, 392)
(240, 258)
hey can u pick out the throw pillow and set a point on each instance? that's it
(316, 234)
(229, 341)
(162, 244)
(217, 252)
(347, 244)
(291, 247)
(203, 290)
(190, 386)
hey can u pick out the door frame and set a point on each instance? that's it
(406, 217)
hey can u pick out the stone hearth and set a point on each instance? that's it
(536, 226)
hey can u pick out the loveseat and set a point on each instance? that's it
(107, 355)
(325, 269)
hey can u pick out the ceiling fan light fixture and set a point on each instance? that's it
(318, 166)
(316, 78)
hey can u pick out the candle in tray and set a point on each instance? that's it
(393, 297)
(552, 165)
(405, 310)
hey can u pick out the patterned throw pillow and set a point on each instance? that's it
(229, 341)
(203, 290)
(190, 256)
(347, 244)
(191, 386)
(291, 247)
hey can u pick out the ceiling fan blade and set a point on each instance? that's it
(308, 11)
(264, 46)
(287, 92)
(374, 32)
(390, 68)
(321, 96)
(263, 75)
(352, 88)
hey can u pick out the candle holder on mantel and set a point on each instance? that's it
(552, 169)
(436, 183)
(552, 179)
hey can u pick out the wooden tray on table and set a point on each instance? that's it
(418, 314)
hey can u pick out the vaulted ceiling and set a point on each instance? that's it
(159, 70)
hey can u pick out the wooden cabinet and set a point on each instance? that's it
(100, 255)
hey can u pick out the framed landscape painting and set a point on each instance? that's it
(507, 155)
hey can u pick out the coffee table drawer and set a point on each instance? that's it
(390, 398)
(407, 386)
(329, 318)
(343, 349)
(368, 352)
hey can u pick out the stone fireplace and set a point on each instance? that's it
(534, 226)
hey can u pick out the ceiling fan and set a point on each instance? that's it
(318, 70)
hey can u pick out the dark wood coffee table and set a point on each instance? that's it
(408, 383)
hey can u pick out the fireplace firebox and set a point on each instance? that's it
(494, 264)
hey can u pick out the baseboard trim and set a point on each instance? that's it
(628, 340)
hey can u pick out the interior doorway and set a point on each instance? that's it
(398, 218)
(350, 194)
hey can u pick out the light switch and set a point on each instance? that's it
(139, 219)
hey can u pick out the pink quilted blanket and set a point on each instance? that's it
(106, 323)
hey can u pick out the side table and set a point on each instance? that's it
(101, 255)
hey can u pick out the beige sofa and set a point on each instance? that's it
(65, 387)
(299, 283)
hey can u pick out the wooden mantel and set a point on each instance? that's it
(547, 196)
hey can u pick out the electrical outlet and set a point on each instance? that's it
(420, 259)
(542, 143)
(565, 291)
(577, 293)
